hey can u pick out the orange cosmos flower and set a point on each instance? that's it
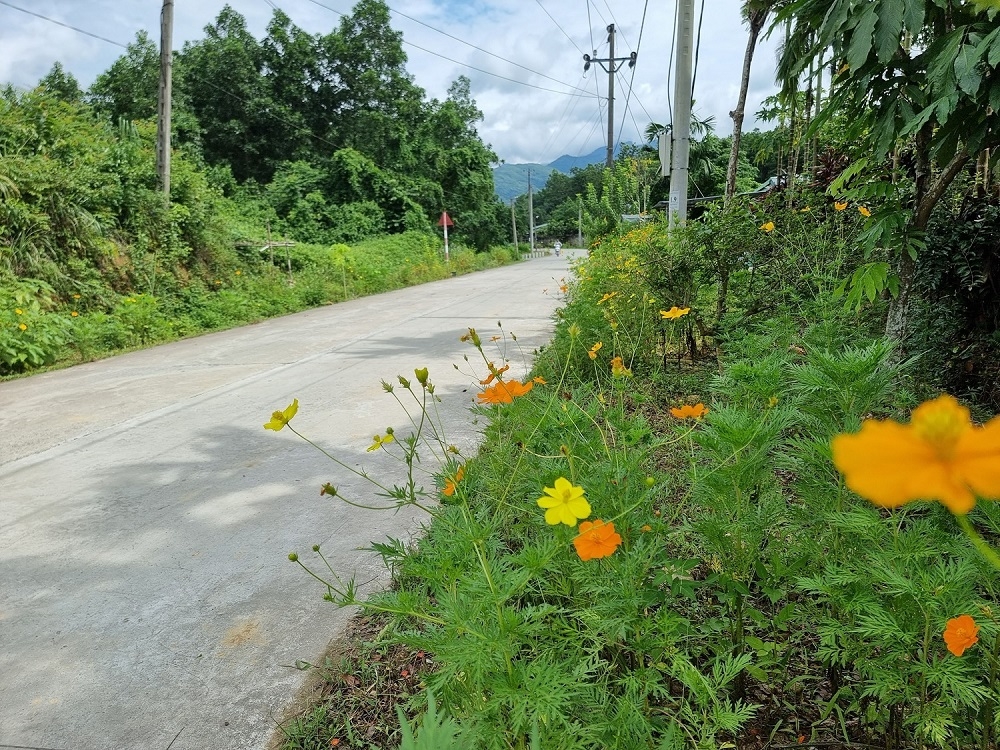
(674, 312)
(504, 392)
(594, 349)
(960, 633)
(690, 412)
(539, 379)
(606, 297)
(618, 368)
(596, 540)
(840, 205)
(494, 373)
(940, 455)
(450, 483)
(864, 211)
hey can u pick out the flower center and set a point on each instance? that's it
(941, 423)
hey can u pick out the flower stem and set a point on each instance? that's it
(977, 541)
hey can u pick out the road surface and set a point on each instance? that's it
(146, 599)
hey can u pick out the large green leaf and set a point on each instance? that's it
(889, 28)
(967, 70)
(913, 17)
(861, 38)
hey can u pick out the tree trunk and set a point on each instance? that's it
(927, 194)
(756, 20)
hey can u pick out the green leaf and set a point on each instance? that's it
(967, 70)
(941, 69)
(889, 28)
(861, 39)
(913, 17)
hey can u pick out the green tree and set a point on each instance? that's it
(62, 84)
(129, 89)
(241, 125)
(919, 74)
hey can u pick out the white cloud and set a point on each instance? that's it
(523, 121)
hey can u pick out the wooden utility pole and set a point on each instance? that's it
(163, 121)
(680, 130)
(611, 69)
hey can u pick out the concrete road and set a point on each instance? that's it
(146, 599)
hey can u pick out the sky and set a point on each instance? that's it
(524, 58)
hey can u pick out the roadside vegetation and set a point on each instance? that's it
(743, 498)
(266, 214)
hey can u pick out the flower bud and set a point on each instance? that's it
(403, 381)
(293, 557)
(421, 373)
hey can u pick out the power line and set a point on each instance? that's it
(631, 81)
(457, 39)
(466, 65)
(208, 83)
(64, 25)
(560, 27)
(697, 48)
(590, 25)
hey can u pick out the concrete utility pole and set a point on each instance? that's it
(531, 215)
(579, 222)
(163, 121)
(611, 69)
(681, 126)
(513, 221)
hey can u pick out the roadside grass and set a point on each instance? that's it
(41, 329)
(744, 598)
(351, 702)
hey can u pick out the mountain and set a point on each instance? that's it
(511, 180)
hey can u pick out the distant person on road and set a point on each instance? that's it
(558, 247)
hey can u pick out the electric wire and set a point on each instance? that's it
(697, 48)
(628, 95)
(615, 22)
(64, 25)
(467, 44)
(571, 40)
(208, 83)
(670, 65)
(466, 65)
(590, 25)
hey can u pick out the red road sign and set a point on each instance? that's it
(445, 220)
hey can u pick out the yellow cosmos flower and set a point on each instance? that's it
(674, 312)
(606, 297)
(940, 455)
(594, 349)
(23, 327)
(805, 210)
(864, 211)
(564, 503)
(379, 441)
(767, 226)
(772, 402)
(74, 314)
(18, 311)
(839, 205)
(280, 418)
